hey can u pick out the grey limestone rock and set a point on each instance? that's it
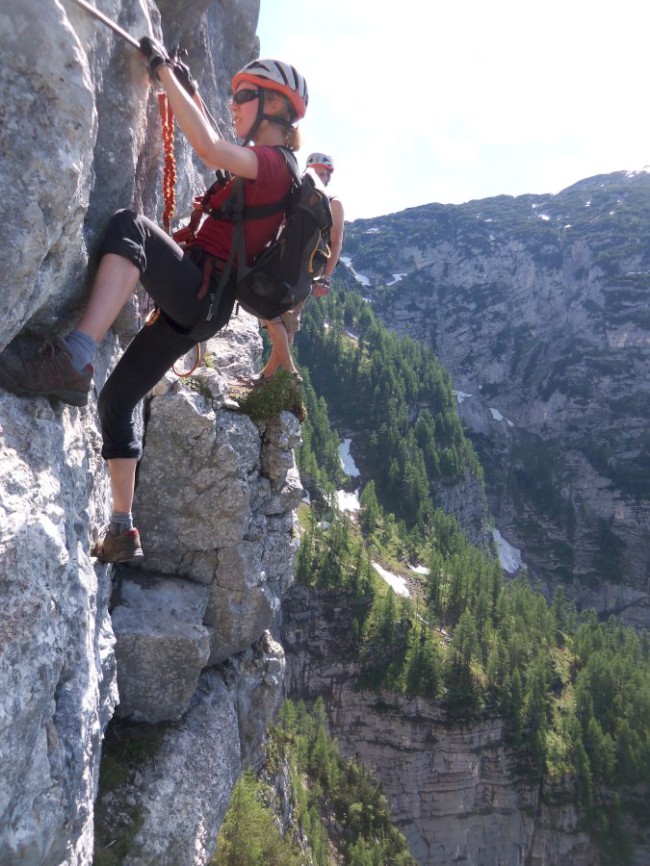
(80, 137)
(161, 646)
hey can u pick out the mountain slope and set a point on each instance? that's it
(539, 307)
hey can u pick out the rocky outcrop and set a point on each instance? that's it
(538, 307)
(170, 806)
(181, 645)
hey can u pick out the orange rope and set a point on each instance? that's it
(169, 170)
(169, 194)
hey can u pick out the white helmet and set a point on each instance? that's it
(320, 160)
(279, 76)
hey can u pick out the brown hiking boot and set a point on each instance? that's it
(49, 374)
(118, 548)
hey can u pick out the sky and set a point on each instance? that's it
(419, 101)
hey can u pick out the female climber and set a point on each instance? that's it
(184, 281)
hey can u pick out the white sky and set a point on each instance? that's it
(454, 100)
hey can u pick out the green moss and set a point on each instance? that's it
(126, 749)
(280, 393)
(198, 386)
(112, 852)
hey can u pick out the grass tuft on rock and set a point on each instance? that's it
(280, 393)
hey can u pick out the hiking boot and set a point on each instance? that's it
(260, 379)
(49, 374)
(118, 548)
(252, 381)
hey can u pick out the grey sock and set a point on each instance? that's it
(82, 349)
(120, 522)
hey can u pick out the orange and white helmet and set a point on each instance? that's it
(320, 160)
(279, 76)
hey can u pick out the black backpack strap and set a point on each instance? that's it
(260, 211)
(252, 212)
(236, 208)
(233, 209)
(292, 163)
(238, 243)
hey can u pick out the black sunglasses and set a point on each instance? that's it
(245, 95)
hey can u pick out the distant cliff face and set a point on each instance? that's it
(539, 307)
(182, 644)
(455, 790)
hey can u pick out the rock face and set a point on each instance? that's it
(538, 306)
(182, 643)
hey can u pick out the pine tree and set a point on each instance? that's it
(370, 510)
(249, 835)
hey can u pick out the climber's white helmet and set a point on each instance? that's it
(320, 160)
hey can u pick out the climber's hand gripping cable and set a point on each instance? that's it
(182, 71)
(155, 55)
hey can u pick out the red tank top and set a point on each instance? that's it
(271, 185)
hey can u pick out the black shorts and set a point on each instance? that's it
(173, 278)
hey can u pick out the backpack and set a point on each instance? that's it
(281, 274)
(335, 198)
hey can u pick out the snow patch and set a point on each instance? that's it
(360, 278)
(499, 417)
(347, 461)
(345, 500)
(348, 501)
(509, 556)
(397, 584)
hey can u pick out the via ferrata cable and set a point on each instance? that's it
(107, 21)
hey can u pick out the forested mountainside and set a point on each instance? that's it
(539, 307)
(504, 727)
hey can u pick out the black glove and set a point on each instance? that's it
(182, 72)
(155, 55)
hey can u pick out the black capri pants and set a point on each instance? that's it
(172, 278)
